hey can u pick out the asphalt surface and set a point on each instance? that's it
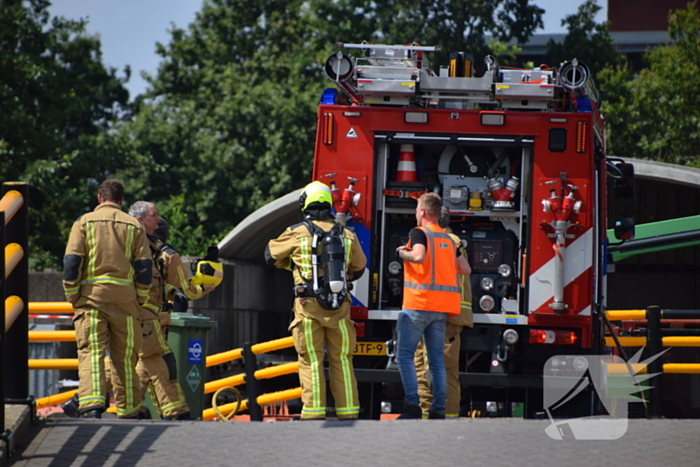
(492, 442)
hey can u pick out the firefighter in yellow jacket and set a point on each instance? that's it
(453, 331)
(157, 364)
(107, 275)
(324, 257)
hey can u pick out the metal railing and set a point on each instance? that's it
(656, 339)
(14, 291)
(251, 377)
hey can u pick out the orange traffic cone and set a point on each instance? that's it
(406, 169)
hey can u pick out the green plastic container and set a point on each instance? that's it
(187, 337)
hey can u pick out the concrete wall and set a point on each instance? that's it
(46, 287)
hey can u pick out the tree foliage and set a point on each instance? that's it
(586, 40)
(229, 120)
(58, 102)
(656, 114)
(455, 25)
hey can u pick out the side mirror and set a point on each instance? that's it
(624, 199)
(624, 228)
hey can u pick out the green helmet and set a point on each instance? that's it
(315, 192)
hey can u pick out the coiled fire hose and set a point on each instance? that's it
(215, 405)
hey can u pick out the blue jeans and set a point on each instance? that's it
(411, 325)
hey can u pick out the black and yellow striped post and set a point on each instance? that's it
(17, 283)
(2, 321)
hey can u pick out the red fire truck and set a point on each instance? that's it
(518, 156)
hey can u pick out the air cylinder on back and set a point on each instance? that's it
(333, 258)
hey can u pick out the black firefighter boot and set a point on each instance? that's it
(93, 413)
(71, 407)
(181, 416)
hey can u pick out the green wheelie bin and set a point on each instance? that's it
(187, 336)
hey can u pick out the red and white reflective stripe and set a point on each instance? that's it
(49, 316)
(579, 259)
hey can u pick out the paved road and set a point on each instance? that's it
(492, 442)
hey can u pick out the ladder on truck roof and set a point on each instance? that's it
(401, 75)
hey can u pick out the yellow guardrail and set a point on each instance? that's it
(265, 373)
(210, 387)
(627, 341)
(675, 368)
(51, 336)
(56, 399)
(50, 308)
(668, 341)
(620, 315)
(265, 399)
(616, 368)
(236, 354)
(56, 363)
(682, 368)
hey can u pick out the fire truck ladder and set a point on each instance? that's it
(400, 75)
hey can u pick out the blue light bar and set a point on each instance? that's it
(583, 104)
(329, 96)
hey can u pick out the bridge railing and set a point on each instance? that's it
(658, 338)
(14, 291)
(248, 352)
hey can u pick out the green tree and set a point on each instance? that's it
(229, 120)
(586, 40)
(656, 114)
(228, 123)
(57, 101)
(455, 25)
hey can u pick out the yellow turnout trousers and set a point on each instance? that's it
(157, 366)
(452, 344)
(116, 326)
(315, 329)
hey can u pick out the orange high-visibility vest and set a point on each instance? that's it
(432, 285)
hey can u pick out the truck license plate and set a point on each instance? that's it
(370, 348)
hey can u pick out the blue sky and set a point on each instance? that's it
(129, 29)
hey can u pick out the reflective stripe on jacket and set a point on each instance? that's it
(293, 247)
(432, 285)
(169, 276)
(466, 316)
(107, 258)
(155, 301)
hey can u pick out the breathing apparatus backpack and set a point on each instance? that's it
(328, 250)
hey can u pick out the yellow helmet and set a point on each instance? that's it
(208, 270)
(208, 273)
(315, 192)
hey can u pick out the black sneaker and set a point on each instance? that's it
(435, 415)
(411, 411)
(94, 413)
(71, 407)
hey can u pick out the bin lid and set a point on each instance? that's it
(191, 321)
